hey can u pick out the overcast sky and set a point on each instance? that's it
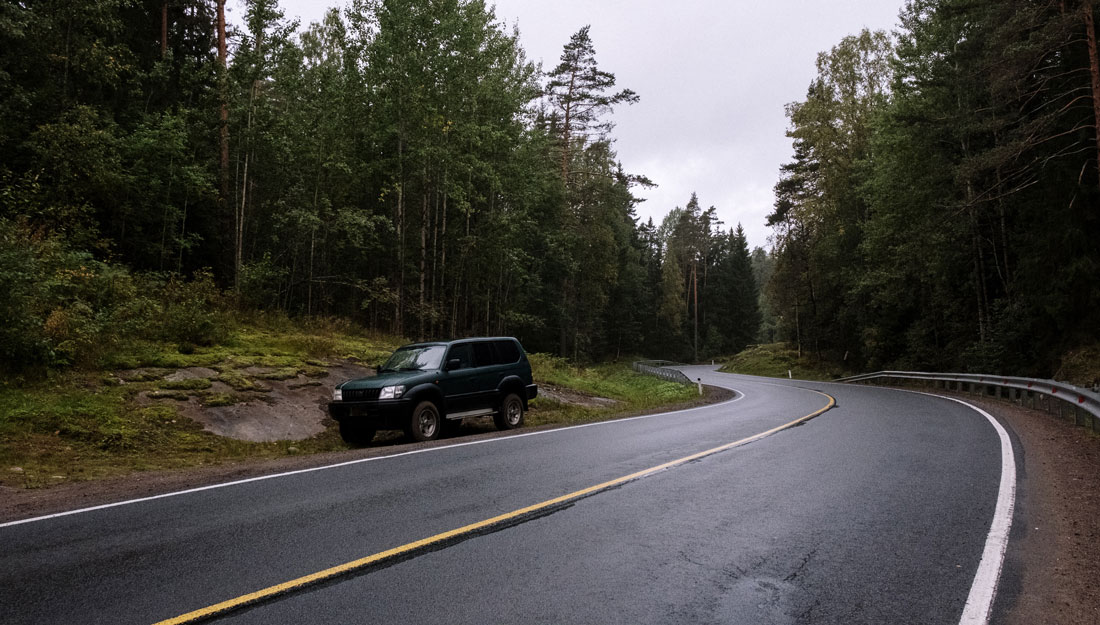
(713, 77)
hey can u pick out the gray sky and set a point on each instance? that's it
(713, 77)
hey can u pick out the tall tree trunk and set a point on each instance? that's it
(695, 307)
(242, 208)
(442, 252)
(223, 105)
(1094, 73)
(424, 218)
(164, 29)
(567, 130)
(400, 312)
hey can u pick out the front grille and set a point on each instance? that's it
(361, 394)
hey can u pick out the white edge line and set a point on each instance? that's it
(979, 603)
(46, 517)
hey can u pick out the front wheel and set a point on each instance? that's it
(425, 423)
(510, 415)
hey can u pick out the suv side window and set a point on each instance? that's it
(464, 353)
(506, 352)
(483, 354)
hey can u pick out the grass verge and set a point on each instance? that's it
(82, 425)
(778, 360)
(630, 391)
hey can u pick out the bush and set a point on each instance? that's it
(64, 308)
(22, 341)
(194, 311)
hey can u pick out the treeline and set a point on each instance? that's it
(401, 164)
(940, 210)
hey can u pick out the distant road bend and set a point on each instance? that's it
(794, 502)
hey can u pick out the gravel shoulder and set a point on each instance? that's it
(1054, 551)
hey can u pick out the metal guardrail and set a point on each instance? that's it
(659, 369)
(1083, 404)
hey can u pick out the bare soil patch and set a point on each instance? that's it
(576, 398)
(292, 409)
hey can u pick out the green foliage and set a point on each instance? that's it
(631, 391)
(194, 311)
(780, 360)
(941, 223)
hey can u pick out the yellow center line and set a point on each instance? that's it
(382, 556)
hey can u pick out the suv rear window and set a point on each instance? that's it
(483, 354)
(506, 352)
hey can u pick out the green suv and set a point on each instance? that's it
(427, 389)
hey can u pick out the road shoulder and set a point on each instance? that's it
(1054, 553)
(18, 503)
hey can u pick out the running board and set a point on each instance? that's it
(484, 412)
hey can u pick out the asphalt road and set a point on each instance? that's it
(876, 511)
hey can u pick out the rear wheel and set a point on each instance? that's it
(425, 423)
(356, 434)
(510, 415)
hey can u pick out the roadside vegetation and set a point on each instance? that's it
(778, 360)
(615, 389)
(125, 415)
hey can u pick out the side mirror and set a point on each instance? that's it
(377, 369)
(454, 363)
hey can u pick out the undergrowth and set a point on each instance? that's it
(632, 392)
(779, 360)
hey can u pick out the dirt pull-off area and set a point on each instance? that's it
(257, 404)
(564, 395)
(290, 409)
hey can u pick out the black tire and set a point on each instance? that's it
(510, 414)
(425, 423)
(356, 434)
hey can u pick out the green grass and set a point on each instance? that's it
(81, 425)
(193, 384)
(776, 359)
(632, 391)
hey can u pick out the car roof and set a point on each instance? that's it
(453, 341)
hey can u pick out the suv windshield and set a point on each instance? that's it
(420, 358)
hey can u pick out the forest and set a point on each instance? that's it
(404, 165)
(940, 208)
(401, 164)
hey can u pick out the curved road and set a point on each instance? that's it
(876, 511)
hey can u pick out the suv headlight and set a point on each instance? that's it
(392, 392)
(338, 395)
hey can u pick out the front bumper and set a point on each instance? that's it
(532, 391)
(380, 414)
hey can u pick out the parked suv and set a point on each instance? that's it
(426, 389)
